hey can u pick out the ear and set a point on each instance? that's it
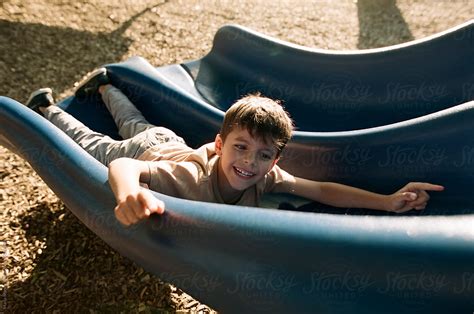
(218, 145)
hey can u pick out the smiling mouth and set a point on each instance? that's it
(243, 173)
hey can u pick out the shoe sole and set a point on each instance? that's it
(40, 91)
(88, 77)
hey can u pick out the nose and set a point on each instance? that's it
(250, 158)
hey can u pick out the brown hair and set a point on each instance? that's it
(263, 117)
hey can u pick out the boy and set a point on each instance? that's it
(237, 168)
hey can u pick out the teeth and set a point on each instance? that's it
(243, 172)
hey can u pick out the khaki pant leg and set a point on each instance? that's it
(127, 117)
(100, 146)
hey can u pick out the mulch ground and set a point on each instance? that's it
(49, 260)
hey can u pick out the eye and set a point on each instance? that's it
(266, 156)
(239, 146)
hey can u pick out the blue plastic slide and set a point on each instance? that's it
(375, 119)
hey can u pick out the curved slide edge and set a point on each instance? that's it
(334, 91)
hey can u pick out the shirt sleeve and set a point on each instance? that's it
(275, 178)
(179, 179)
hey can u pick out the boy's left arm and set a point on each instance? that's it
(411, 196)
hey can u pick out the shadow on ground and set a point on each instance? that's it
(381, 24)
(77, 270)
(45, 55)
(49, 56)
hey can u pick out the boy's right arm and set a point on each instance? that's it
(133, 202)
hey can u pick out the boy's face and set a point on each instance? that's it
(244, 160)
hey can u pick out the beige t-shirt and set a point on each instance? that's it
(178, 170)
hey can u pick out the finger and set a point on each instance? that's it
(409, 196)
(416, 203)
(145, 203)
(421, 206)
(423, 195)
(129, 214)
(426, 186)
(422, 198)
(151, 204)
(161, 207)
(120, 216)
(136, 209)
(126, 208)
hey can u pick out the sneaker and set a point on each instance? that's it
(43, 97)
(91, 83)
